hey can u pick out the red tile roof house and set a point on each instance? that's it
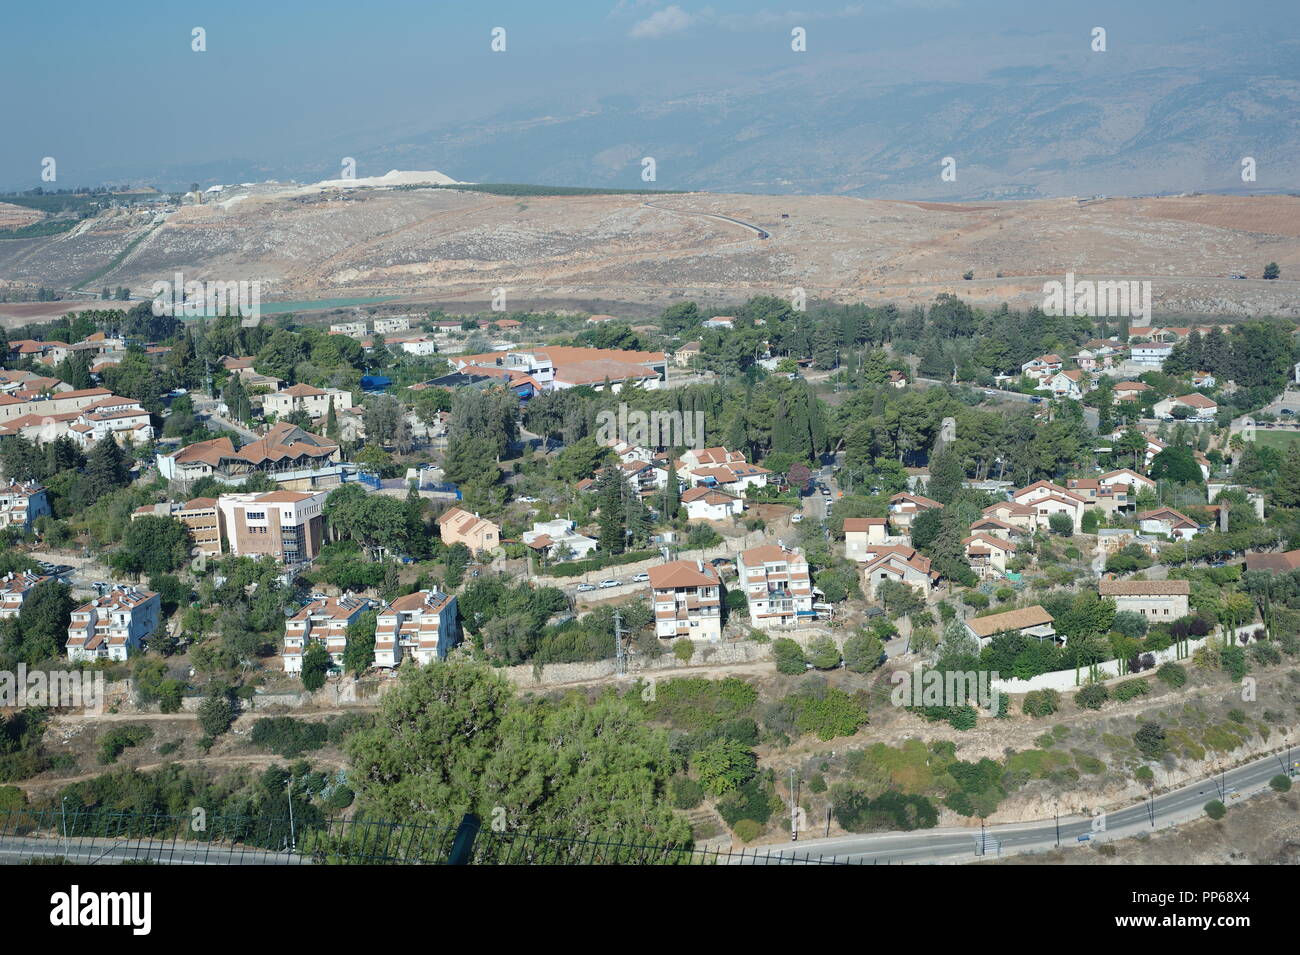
(897, 562)
(686, 596)
(903, 509)
(988, 555)
(461, 527)
(711, 504)
(1048, 499)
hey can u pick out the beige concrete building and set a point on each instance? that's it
(201, 515)
(461, 527)
(315, 402)
(862, 533)
(1160, 601)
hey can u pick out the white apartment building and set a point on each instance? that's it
(326, 622)
(385, 326)
(777, 584)
(686, 596)
(21, 504)
(421, 625)
(351, 329)
(113, 626)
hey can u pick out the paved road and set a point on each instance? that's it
(960, 844)
(18, 849)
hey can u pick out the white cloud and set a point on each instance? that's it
(671, 19)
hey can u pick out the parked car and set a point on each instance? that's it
(1289, 411)
(795, 518)
(585, 588)
(639, 578)
(527, 500)
(606, 584)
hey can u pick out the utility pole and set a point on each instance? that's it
(794, 813)
(293, 839)
(620, 659)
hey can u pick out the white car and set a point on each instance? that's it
(796, 518)
(640, 578)
(606, 584)
(526, 500)
(585, 588)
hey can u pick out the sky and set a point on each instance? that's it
(116, 90)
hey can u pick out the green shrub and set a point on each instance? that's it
(1281, 783)
(684, 792)
(1130, 689)
(117, 739)
(683, 650)
(1215, 809)
(1171, 674)
(1092, 696)
(1041, 703)
(747, 830)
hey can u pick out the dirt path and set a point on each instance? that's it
(257, 759)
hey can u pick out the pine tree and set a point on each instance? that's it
(1286, 492)
(332, 423)
(107, 468)
(672, 496)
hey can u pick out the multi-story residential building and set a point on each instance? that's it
(558, 367)
(124, 418)
(22, 504)
(461, 527)
(687, 600)
(315, 402)
(351, 329)
(422, 625)
(1047, 499)
(1163, 600)
(1044, 366)
(1029, 621)
(201, 515)
(988, 555)
(777, 585)
(1109, 498)
(285, 525)
(1067, 384)
(386, 326)
(863, 533)
(1151, 354)
(326, 622)
(14, 589)
(114, 625)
